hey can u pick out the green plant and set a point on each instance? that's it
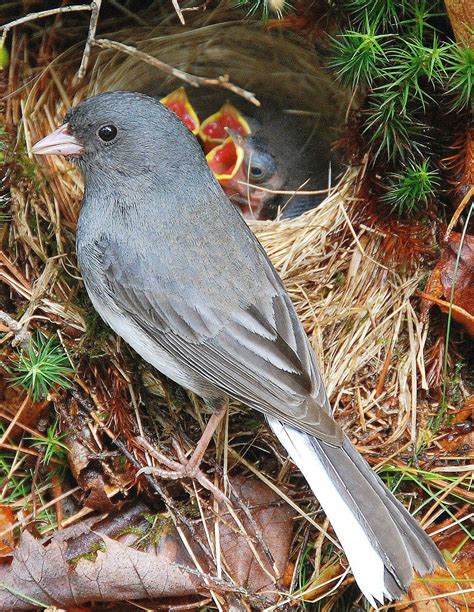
(51, 444)
(413, 81)
(460, 71)
(359, 56)
(41, 366)
(4, 216)
(413, 188)
(266, 8)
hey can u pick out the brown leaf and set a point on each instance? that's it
(43, 573)
(273, 519)
(11, 399)
(7, 542)
(439, 286)
(320, 585)
(90, 472)
(458, 437)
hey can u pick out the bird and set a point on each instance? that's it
(284, 154)
(268, 185)
(284, 150)
(174, 270)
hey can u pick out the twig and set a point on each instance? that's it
(465, 201)
(95, 8)
(40, 288)
(33, 16)
(283, 192)
(178, 10)
(22, 335)
(201, 7)
(191, 79)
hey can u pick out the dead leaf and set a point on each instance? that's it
(439, 286)
(458, 437)
(273, 519)
(91, 471)
(7, 542)
(42, 575)
(11, 398)
(117, 572)
(324, 580)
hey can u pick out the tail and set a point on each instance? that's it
(382, 541)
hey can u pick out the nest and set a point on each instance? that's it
(357, 303)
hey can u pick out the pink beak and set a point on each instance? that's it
(59, 142)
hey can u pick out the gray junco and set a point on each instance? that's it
(172, 267)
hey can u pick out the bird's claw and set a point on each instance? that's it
(178, 469)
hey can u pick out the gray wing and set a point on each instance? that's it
(252, 348)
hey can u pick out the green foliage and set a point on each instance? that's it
(41, 366)
(51, 444)
(415, 70)
(19, 485)
(415, 78)
(460, 69)
(420, 15)
(4, 57)
(429, 482)
(412, 189)
(394, 132)
(385, 14)
(359, 56)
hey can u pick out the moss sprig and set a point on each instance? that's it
(415, 80)
(41, 366)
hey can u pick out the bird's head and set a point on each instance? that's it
(126, 133)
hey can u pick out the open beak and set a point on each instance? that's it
(213, 129)
(179, 103)
(59, 142)
(225, 160)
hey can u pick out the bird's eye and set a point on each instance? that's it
(107, 133)
(256, 171)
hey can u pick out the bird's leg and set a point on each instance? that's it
(198, 454)
(187, 468)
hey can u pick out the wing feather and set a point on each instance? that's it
(257, 353)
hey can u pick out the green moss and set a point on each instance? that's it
(417, 85)
(91, 555)
(4, 57)
(41, 366)
(160, 525)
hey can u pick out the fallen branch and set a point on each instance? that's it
(191, 79)
(21, 333)
(40, 15)
(178, 10)
(95, 8)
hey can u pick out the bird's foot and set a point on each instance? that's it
(178, 469)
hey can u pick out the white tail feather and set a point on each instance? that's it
(366, 564)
